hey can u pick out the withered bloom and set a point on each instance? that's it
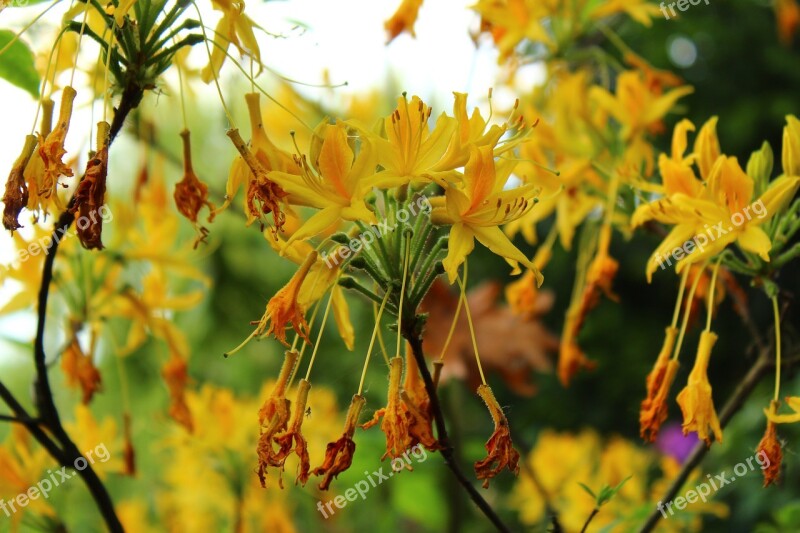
(91, 192)
(599, 278)
(51, 148)
(395, 423)
(418, 403)
(653, 411)
(191, 194)
(339, 454)
(176, 374)
(501, 452)
(293, 437)
(16, 195)
(80, 371)
(770, 449)
(284, 309)
(263, 194)
(273, 418)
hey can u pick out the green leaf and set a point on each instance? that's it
(607, 493)
(587, 489)
(17, 64)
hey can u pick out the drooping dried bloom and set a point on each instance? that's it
(293, 438)
(16, 195)
(273, 418)
(80, 371)
(191, 194)
(695, 399)
(263, 194)
(599, 277)
(284, 309)
(176, 375)
(395, 423)
(416, 399)
(570, 356)
(501, 452)
(90, 194)
(339, 454)
(653, 411)
(769, 449)
(51, 148)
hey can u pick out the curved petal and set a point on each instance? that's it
(461, 243)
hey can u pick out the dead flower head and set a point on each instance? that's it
(501, 452)
(339, 454)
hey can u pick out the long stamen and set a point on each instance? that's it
(213, 70)
(777, 316)
(681, 289)
(78, 48)
(711, 295)
(687, 310)
(372, 341)
(402, 293)
(469, 321)
(319, 336)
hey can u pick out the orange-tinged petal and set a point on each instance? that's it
(706, 147)
(695, 399)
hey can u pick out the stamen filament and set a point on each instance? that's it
(405, 239)
(469, 321)
(681, 290)
(319, 336)
(710, 306)
(372, 341)
(687, 308)
(777, 315)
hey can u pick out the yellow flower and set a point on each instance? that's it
(635, 105)
(477, 211)
(512, 21)
(403, 19)
(641, 11)
(653, 410)
(233, 28)
(410, 153)
(336, 182)
(722, 206)
(695, 399)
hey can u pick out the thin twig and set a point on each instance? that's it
(589, 520)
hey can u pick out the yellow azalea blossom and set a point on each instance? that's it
(403, 19)
(790, 156)
(477, 211)
(723, 206)
(321, 278)
(637, 108)
(22, 465)
(472, 131)
(695, 399)
(336, 184)
(512, 21)
(233, 28)
(411, 152)
(101, 437)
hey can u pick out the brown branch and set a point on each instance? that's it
(410, 332)
(60, 446)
